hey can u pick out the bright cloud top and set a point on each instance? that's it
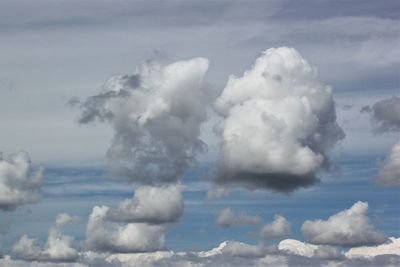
(278, 123)
(227, 218)
(17, 185)
(156, 114)
(350, 227)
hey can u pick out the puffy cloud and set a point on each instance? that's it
(227, 218)
(151, 205)
(297, 247)
(389, 174)
(59, 247)
(278, 124)
(234, 248)
(392, 247)
(350, 227)
(17, 186)
(385, 114)
(121, 238)
(278, 228)
(156, 114)
(64, 218)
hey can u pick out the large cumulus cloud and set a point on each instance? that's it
(156, 114)
(279, 122)
(18, 185)
(350, 227)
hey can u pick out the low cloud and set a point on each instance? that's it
(350, 228)
(59, 247)
(228, 218)
(389, 173)
(18, 184)
(385, 114)
(278, 123)
(153, 205)
(156, 115)
(278, 228)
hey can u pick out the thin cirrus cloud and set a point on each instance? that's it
(18, 184)
(156, 115)
(350, 228)
(227, 218)
(278, 123)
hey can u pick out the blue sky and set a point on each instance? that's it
(54, 51)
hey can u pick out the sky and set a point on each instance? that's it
(199, 133)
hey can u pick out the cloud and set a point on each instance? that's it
(59, 247)
(389, 174)
(392, 247)
(17, 186)
(297, 247)
(156, 115)
(278, 228)
(385, 114)
(350, 227)
(278, 123)
(121, 238)
(151, 205)
(228, 218)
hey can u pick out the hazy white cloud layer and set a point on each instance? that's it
(350, 227)
(278, 228)
(389, 174)
(150, 204)
(385, 114)
(18, 184)
(279, 122)
(227, 218)
(156, 114)
(59, 247)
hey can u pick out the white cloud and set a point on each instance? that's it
(350, 227)
(227, 218)
(17, 185)
(391, 247)
(278, 228)
(59, 247)
(389, 173)
(156, 114)
(278, 123)
(151, 205)
(113, 237)
(297, 247)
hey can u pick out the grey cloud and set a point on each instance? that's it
(153, 205)
(156, 115)
(385, 114)
(278, 124)
(227, 218)
(350, 228)
(18, 184)
(278, 228)
(389, 173)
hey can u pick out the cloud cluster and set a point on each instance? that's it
(136, 225)
(156, 115)
(279, 121)
(385, 114)
(59, 247)
(18, 186)
(278, 228)
(227, 218)
(350, 227)
(151, 205)
(389, 173)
